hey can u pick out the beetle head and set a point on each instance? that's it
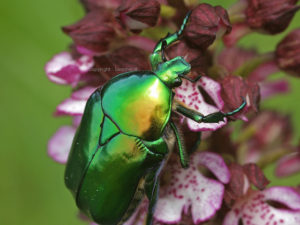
(170, 71)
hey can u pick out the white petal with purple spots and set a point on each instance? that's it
(255, 210)
(189, 94)
(188, 188)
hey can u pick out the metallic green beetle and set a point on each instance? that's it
(120, 145)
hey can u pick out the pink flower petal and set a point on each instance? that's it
(288, 165)
(216, 165)
(63, 69)
(270, 88)
(189, 188)
(141, 42)
(70, 106)
(189, 94)
(255, 210)
(85, 51)
(76, 121)
(139, 216)
(83, 93)
(60, 144)
(263, 71)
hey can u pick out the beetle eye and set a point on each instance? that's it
(177, 82)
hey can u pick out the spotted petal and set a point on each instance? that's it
(60, 144)
(188, 188)
(254, 209)
(63, 69)
(189, 94)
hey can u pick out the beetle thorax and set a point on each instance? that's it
(169, 72)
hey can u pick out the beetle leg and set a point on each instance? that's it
(158, 53)
(210, 118)
(151, 190)
(184, 159)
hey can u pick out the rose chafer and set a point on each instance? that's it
(121, 144)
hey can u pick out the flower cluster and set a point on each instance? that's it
(225, 183)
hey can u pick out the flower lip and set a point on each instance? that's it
(188, 189)
(254, 208)
(189, 94)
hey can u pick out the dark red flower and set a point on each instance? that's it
(270, 127)
(255, 175)
(92, 32)
(124, 59)
(199, 60)
(271, 16)
(138, 14)
(234, 88)
(205, 24)
(288, 53)
(241, 178)
(238, 184)
(237, 55)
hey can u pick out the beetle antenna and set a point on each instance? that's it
(185, 20)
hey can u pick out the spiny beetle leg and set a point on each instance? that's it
(210, 118)
(184, 159)
(152, 190)
(219, 116)
(182, 109)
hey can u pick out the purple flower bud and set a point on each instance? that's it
(200, 61)
(238, 184)
(270, 16)
(289, 164)
(255, 175)
(237, 55)
(137, 15)
(234, 88)
(205, 24)
(270, 127)
(287, 53)
(93, 32)
(124, 59)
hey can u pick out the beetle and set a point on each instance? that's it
(120, 146)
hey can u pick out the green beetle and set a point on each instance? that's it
(120, 145)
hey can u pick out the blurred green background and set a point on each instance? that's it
(31, 189)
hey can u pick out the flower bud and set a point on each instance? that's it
(235, 88)
(270, 16)
(205, 24)
(93, 32)
(270, 127)
(138, 14)
(287, 53)
(200, 61)
(124, 59)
